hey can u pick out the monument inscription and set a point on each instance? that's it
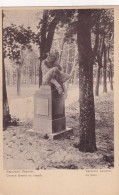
(41, 106)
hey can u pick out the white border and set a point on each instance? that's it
(10, 3)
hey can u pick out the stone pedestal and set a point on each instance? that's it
(49, 113)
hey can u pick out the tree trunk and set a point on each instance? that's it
(111, 80)
(72, 73)
(8, 78)
(67, 66)
(75, 76)
(110, 72)
(35, 74)
(104, 72)
(61, 52)
(86, 98)
(98, 75)
(101, 76)
(31, 78)
(111, 76)
(13, 78)
(19, 80)
(40, 74)
(108, 75)
(6, 113)
(99, 59)
(97, 81)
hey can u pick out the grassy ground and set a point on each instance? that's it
(23, 151)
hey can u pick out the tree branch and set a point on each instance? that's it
(50, 35)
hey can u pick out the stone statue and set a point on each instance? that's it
(52, 73)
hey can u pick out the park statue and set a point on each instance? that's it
(53, 75)
(49, 100)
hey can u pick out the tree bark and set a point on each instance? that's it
(111, 76)
(67, 65)
(75, 76)
(108, 75)
(86, 98)
(97, 81)
(101, 75)
(8, 78)
(99, 58)
(73, 73)
(13, 76)
(104, 71)
(110, 71)
(6, 113)
(19, 80)
(35, 74)
(97, 40)
(40, 74)
(61, 52)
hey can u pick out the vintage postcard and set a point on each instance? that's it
(59, 100)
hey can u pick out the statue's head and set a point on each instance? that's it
(52, 59)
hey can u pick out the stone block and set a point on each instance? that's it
(49, 112)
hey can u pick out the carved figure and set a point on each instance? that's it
(52, 73)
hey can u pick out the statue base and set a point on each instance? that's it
(49, 114)
(54, 136)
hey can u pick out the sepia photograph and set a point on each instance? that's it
(58, 88)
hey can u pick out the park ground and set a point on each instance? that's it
(24, 151)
